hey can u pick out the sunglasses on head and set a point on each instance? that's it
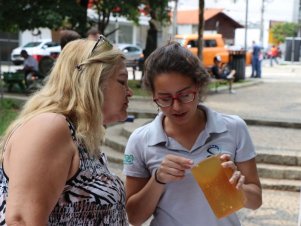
(102, 40)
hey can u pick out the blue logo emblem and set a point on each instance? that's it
(128, 159)
(213, 150)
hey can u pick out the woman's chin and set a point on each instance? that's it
(116, 118)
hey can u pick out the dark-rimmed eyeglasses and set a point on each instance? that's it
(184, 98)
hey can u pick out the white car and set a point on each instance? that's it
(37, 49)
(133, 53)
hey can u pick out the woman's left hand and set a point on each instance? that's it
(237, 177)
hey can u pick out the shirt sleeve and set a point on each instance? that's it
(245, 147)
(134, 162)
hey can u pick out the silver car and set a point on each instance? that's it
(132, 52)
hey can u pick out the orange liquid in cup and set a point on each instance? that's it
(213, 179)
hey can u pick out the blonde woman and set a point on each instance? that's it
(53, 172)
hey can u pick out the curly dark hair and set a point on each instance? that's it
(173, 57)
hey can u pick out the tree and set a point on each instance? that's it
(159, 12)
(106, 8)
(282, 30)
(23, 15)
(201, 28)
(18, 15)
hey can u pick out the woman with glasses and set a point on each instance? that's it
(159, 155)
(53, 171)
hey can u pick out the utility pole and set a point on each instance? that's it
(246, 24)
(299, 30)
(174, 18)
(262, 20)
(262, 23)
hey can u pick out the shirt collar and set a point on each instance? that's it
(214, 124)
(157, 134)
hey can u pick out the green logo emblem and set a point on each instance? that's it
(128, 159)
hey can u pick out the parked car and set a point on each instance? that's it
(213, 45)
(38, 49)
(132, 52)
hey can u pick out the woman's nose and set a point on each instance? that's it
(129, 92)
(176, 104)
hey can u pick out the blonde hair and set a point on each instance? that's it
(75, 91)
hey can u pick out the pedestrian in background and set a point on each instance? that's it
(221, 71)
(53, 172)
(159, 155)
(92, 34)
(67, 36)
(257, 58)
(31, 66)
(273, 55)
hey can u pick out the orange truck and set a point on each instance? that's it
(213, 45)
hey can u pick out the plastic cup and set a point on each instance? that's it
(222, 196)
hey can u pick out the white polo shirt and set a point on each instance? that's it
(183, 202)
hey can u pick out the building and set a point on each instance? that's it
(126, 31)
(215, 21)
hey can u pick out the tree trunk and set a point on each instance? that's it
(83, 19)
(151, 45)
(151, 40)
(201, 29)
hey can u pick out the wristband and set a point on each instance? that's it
(156, 178)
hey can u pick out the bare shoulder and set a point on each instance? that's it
(45, 124)
(48, 120)
(39, 161)
(46, 132)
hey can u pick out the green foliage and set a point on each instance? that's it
(159, 10)
(106, 8)
(9, 104)
(156, 9)
(282, 30)
(18, 15)
(9, 110)
(135, 85)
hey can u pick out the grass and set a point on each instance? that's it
(136, 87)
(9, 110)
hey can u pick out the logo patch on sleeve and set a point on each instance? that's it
(128, 159)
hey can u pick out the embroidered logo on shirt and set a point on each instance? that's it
(128, 159)
(213, 150)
